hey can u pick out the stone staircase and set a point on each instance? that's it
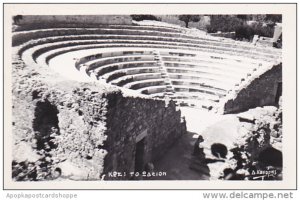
(162, 68)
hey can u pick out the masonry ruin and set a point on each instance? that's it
(99, 101)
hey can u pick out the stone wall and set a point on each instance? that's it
(258, 147)
(261, 91)
(58, 130)
(130, 120)
(80, 131)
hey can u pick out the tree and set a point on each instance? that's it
(223, 23)
(144, 17)
(189, 18)
(274, 18)
(242, 17)
(17, 18)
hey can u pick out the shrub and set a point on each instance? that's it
(244, 32)
(274, 18)
(223, 23)
(17, 19)
(243, 17)
(247, 31)
(266, 31)
(144, 17)
(189, 18)
(227, 23)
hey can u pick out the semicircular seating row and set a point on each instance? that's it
(155, 61)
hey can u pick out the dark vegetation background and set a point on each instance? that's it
(262, 25)
(244, 26)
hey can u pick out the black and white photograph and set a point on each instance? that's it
(148, 97)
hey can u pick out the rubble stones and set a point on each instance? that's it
(259, 92)
(93, 125)
(263, 135)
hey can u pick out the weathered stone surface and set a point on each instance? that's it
(127, 126)
(260, 92)
(81, 131)
(258, 141)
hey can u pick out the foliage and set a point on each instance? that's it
(144, 17)
(189, 18)
(242, 17)
(223, 23)
(17, 18)
(227, 23)
(248, 31)
(244, 31)
(274, 18)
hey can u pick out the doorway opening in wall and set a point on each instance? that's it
(278, 92)
(139, 155)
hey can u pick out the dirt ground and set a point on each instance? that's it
(180, 164)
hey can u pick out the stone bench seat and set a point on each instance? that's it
(122, 72)
(116, 26)
(185, 88)
(194, 95)
(152, 89)
(46, 40)
(136, 77)
(123, 65)
(217, 67)
(197, 103)
(181, 73)
(53, 51)
(202, 88)
(42, 33)
(203, 71)
(70, 34)
(188, 45)
(196, 100)
(173, 53)
(144, 83)
(273, 51)
(124, 60)
(148, 27)
(46, 47)
(205, 92)
(211, 57)
(47, 56)
(115, 59)
(120, 81)
(184, 99)
(50, 34)
(40, 49)
(204, 77)
(189, 95)
(24, 36)
(92, 58)
(160, 62)
(214, 84)
(208, 59)
(90, 44)
(49, 40)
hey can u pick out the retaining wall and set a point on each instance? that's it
(131, 120)
(83, 130)
(262, 91)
